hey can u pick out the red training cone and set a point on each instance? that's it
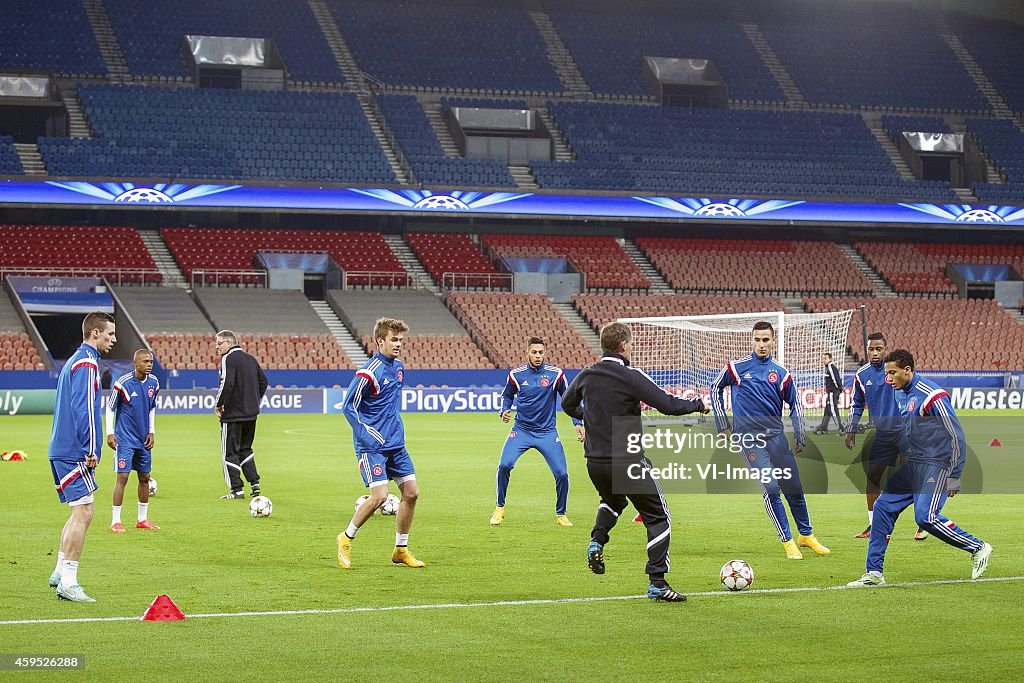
(994, 442)
(638, 518)
(162, 609)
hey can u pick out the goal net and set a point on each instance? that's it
(684, 354)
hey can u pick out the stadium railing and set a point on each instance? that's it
(376, 278)
(115, 276)
(219, 278)
(490, 281)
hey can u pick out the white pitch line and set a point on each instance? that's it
(516, 603)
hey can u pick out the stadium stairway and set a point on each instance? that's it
(794, 98)
(339, 48)
(165, 263)
(78, 127)
(974, 70)
(570, 313)
(386, 139)
(523, 177)
(444, 136)
(878, 283)
(352, 347)
(421, 279)
(874, 123)
(558, 54)
(659, 285)
(106, 40)
(31, 159)
(563, 150)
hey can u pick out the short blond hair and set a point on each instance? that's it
(383, 326)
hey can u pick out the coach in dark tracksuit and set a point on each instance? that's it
(607, 397)
(242, 385)
(833, 389)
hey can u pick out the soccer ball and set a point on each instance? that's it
(360, 499)
(152, 486)
(390, 506)
(260, 506)
(737, 575)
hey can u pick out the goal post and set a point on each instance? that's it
(684, 354)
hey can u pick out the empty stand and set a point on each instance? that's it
(16, 349)
(10, 162)
(442, 252)
(954, 334)
(18, 353)
(364, 256)
(150, 34)
(274, 352)
(609, 40)
(600, 309)
(739, 152)
(116, 253)
(995, 46)
(868, 54)
(921, 268)
(163, 310)
(436, 340)
(507, 321)
(407, 120)
(1004, 144)
(602, 259)
(756, 266)
(148, 131)
(49, 35)
(443, 45)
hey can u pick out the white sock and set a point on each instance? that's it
(69, 575)
(143, 511)
(401, 540)
(871, 517)
(352, 530)
(60, 562)
(115, 517)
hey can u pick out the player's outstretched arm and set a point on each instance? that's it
(650, 393)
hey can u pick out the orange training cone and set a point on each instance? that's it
(162, 609)
(994, 442)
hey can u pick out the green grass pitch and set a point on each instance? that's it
(211, 557)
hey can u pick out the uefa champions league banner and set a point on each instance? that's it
(422, 201)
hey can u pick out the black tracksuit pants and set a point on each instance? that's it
(648, 501)
(236, 451)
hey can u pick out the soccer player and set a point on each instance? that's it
(536, 385)
(872, 387)
(371, 407)
(833, 390)
(242, 386)
(760, 385)
(76, 444)
(131, 419)
(931, 473)
(607, 397)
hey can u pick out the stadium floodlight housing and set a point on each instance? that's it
(684, 354)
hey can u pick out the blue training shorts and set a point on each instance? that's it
(886, 447)
(128, 459)
(377, 467)
(73, 480)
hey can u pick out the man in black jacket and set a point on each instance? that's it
(833, 390)
(242, 385)
(607, 397)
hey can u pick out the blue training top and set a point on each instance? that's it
(535, 392)
(759, 388)
(77, 426)
(372, 405)
(131, 407)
